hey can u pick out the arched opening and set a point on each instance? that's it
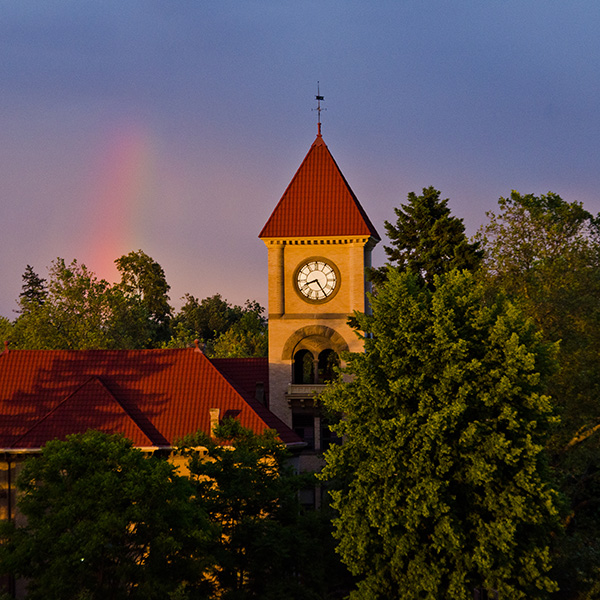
(328, 361)
(314, 338)
(303, 368)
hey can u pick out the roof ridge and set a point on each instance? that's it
(70, 396)
(231, 385)
(320, 141)
(61, 403)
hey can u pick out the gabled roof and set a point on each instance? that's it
(318, 202)
(88, 407)
(244, 374)
(154, 397)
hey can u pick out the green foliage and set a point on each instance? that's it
(74, 310)
(267, 548)
(5, 330)
(105, 521)
(143, 280)
(33, 291)
(225, 330)
(206, 319)
(443, 482)
(426, 240)
(80, 311)
(546, 253)
(247, 337)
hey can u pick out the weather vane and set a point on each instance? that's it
(319, 99)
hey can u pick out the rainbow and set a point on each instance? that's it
(118, 200)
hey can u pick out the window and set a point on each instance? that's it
(303, 368)
(328, 361)
(303, 424)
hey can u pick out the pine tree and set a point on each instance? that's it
(426, 240)
(33, 290)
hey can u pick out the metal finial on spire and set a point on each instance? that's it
(319, 99)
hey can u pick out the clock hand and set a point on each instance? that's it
(317, 282)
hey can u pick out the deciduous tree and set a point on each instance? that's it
(80, 311)
(143, 280)
(268, 548)
(105, 521)
(225, 330)
(247, 337)
(6, 328)
(443, 483)
(545, 252)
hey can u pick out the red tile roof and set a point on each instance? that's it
(318, 202)
(153, 397)
(88, 407)
(244, 374)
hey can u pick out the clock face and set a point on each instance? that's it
(316, 280)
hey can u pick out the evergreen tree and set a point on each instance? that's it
(443, 484)
(426, 240)
(33, 291)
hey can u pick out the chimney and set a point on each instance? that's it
(214, 420)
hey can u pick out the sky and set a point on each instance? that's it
(175, 126)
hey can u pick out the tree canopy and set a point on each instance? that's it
(268, 547)
(33, 290)
(427, 240)
(225, 330)
(143, 280)
(73, 309)
(445, 418)
(106, 521)
(78, 311)
(545, 253)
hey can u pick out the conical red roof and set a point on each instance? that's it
(318, 202)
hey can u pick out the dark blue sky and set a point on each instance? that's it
(175, 126)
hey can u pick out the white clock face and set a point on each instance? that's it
(316, 280)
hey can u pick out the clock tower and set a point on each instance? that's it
(319, 242)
